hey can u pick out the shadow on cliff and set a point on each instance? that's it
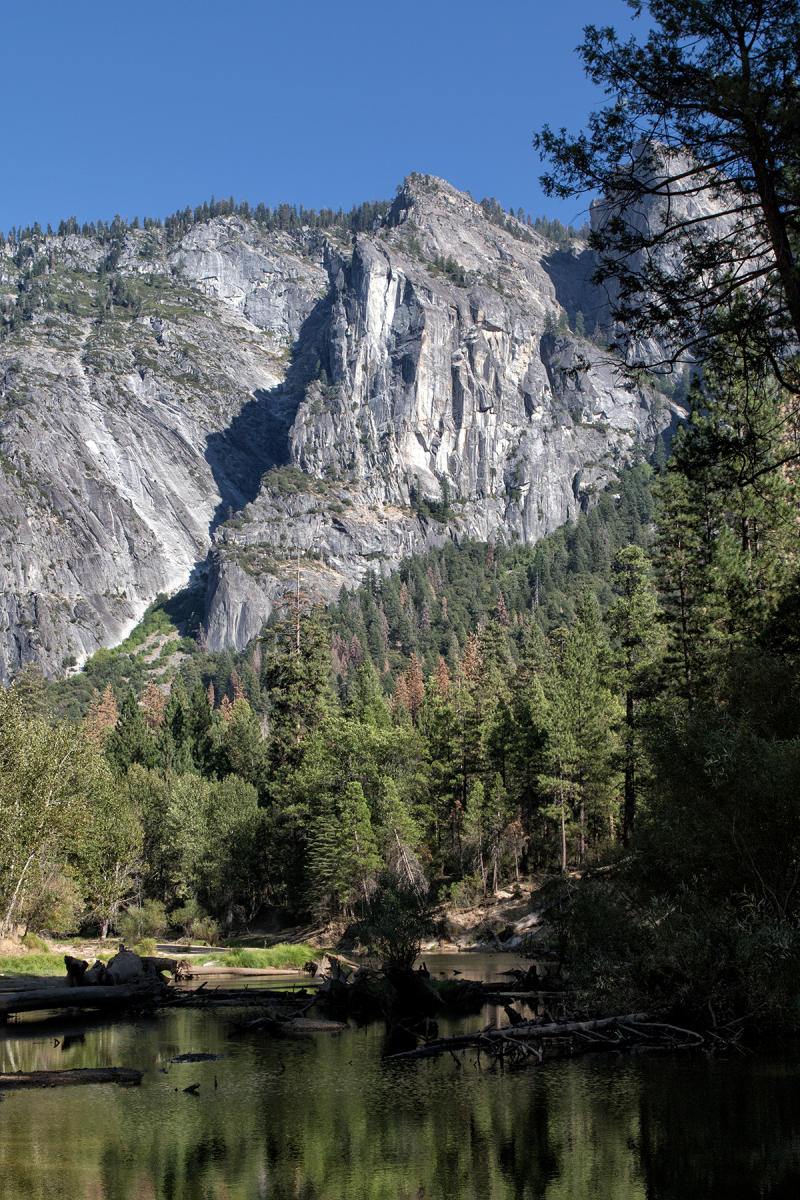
(258, 436)
(571, 276)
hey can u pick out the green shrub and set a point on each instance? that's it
(146, 948)
(205, 929)
(194, 923)
(464, 892)
(55, 905)
(147, 921)
(396, 922)
(32, 941)
(182, 919)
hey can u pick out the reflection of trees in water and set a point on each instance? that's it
(328, 1118)
(717, 1129)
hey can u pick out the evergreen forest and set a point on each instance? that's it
(615, 708)
(610, 717)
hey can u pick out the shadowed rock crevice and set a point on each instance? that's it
(257, 439)
(570, 272)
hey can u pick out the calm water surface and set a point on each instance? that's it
(327, 1117)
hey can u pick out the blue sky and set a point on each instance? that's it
(141, 109)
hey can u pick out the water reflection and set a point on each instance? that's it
(329, 1118)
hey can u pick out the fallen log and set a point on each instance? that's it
(80, 997)
(190, 971)
(232, 998)
(157, 964)
(33, 1079)
(528, 1031)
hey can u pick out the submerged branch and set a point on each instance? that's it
(513, 1044)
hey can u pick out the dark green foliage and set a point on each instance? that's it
(147, 920)
(702, 108)
(395, 923)
(519, 224)
(297, 678)
(360, 218)
(175, 740)
(451, 269)
(131, 742)
(555, 231)
(434, 510)
(706, 908)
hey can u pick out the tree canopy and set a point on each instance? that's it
(696, 159)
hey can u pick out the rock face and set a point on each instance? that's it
(244, 407)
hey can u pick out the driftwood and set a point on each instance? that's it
(492, 1039)
(330, 967)
(33, 1079)
(189, 971)
(294, 1021)
(157, 964)
(204, 997)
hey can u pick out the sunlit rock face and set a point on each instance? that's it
(252, 409)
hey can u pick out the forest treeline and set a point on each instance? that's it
(624, 693)
(37, 258)
(282, 217)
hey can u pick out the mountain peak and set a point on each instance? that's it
(240, 391)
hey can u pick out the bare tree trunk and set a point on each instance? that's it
(629, 810)
(9, 914)
(582, 822)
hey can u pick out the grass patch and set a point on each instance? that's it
(284, 954)
(39, 963)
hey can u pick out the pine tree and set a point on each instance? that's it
(154, 704)
(103, 714)
(130, 742)
(343, 853)
(582, 716)
(399, 839)
(700, 115)
(439, 727)
(240, 745)
(200, 728)
(298, 680)
(415, 686)
(634, 620)
(367, 704)
(175, 740)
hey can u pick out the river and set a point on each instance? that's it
(327, 1118)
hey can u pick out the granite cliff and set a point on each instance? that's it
(235, 404)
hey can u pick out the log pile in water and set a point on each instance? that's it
(127, 980)
(523, 1043)
(125, 967)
